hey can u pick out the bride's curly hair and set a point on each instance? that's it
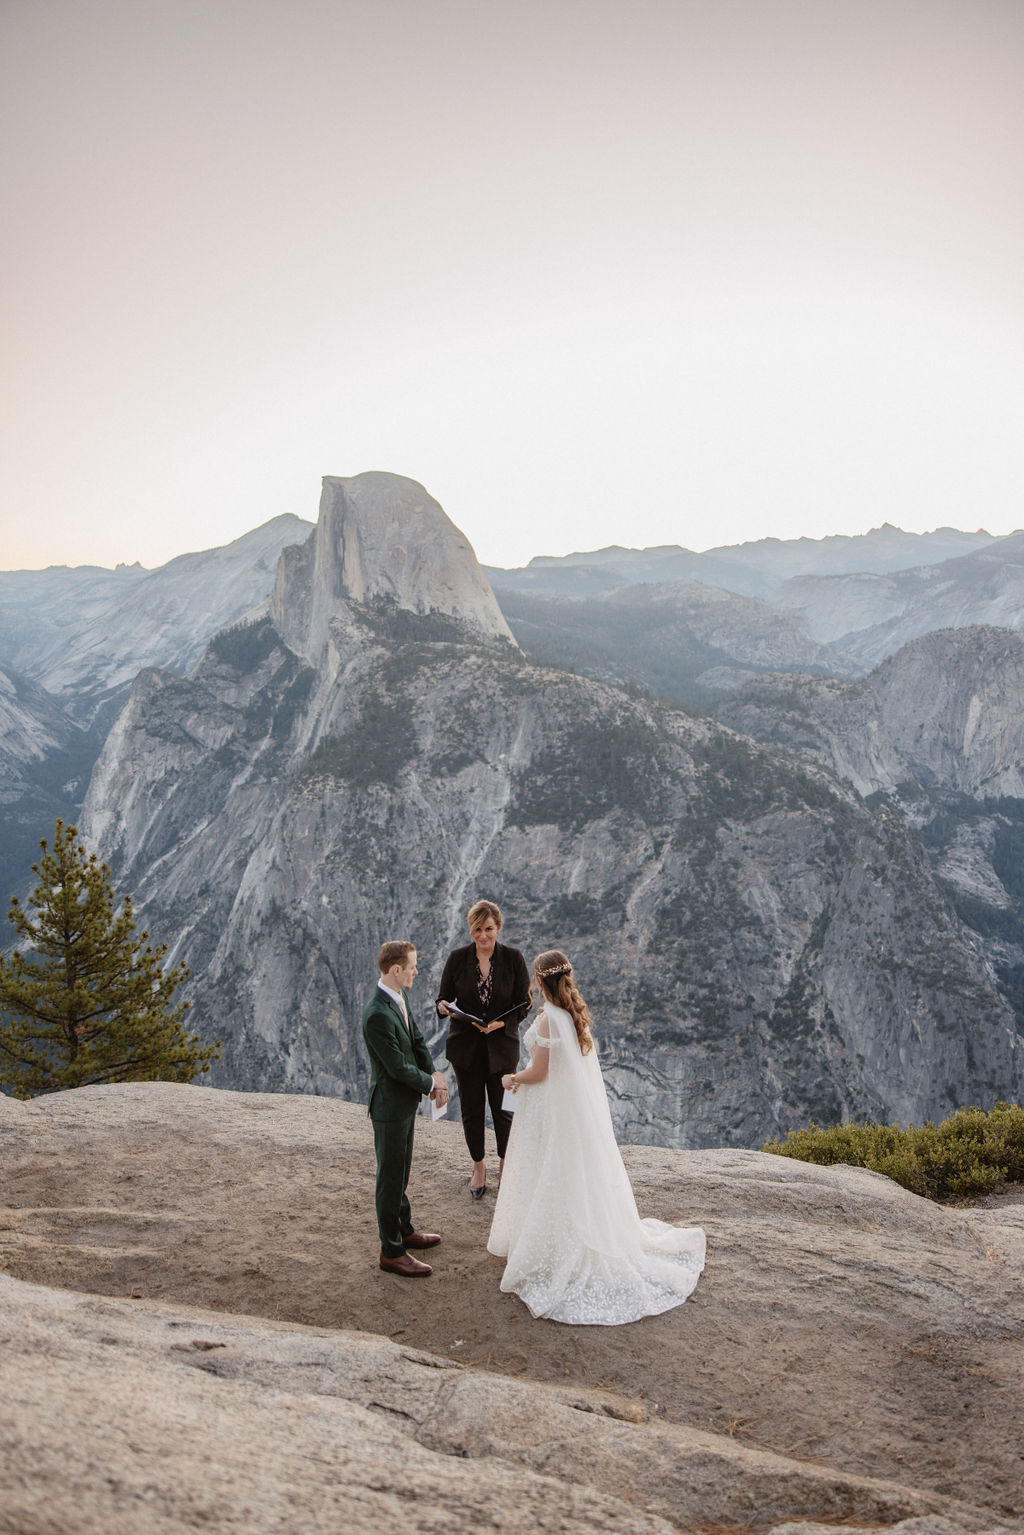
(553, 972)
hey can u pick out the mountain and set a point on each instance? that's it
(45, 761)
(859, 598)
(681, 640)
(382, 543)
(373, 753)
(869, 616)
(40, 610)
(84, 633)
(936, 731)
(944, 712)
(71, 641)
(754, 569)
(33, 727)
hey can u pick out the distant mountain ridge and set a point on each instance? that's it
(753, 569)
(856, 619)
(869, 616)
(84, 633)
(72, 640)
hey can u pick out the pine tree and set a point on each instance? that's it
(84, 998)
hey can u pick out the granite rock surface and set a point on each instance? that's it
(195, 1332)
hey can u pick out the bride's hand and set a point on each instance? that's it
(509, 1082)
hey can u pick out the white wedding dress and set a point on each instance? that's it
(565, 1218)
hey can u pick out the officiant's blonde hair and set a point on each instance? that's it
(553, 972)
(481, 912)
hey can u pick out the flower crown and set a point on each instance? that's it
(556, 970)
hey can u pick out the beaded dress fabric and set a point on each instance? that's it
(566, 1219)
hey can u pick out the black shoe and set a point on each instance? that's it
(480, 1192)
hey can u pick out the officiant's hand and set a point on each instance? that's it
(489, 1028)
(442, 1009)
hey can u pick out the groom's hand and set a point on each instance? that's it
(439, 1091)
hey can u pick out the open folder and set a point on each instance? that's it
(455, 1011)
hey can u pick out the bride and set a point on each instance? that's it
(565, 1218)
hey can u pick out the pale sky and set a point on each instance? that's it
(594, 271)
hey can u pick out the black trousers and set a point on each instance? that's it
(392, 1141)
(478, 1086)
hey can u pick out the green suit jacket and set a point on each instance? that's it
(401, 1069)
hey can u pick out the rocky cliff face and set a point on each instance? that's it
(758, 947)
(381, 541)
(944, 712)
(45, 762)
(843, 1359)
(937, 731)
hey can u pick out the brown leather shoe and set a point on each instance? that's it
(410, 1268)
(421, 1239)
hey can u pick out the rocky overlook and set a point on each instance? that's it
(195, 1332)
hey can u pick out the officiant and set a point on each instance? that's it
(490, 982)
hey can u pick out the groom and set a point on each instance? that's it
(401, 1071)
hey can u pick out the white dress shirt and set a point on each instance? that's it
(397, 996)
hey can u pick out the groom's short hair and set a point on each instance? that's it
(395, 952)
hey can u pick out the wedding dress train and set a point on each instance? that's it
(566, 1218)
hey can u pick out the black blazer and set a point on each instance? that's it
(510, 994)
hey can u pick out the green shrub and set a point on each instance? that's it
(967, 1155)
(245, 645)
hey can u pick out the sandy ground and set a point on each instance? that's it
(833, 1322)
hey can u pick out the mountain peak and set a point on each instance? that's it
(379, 537)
